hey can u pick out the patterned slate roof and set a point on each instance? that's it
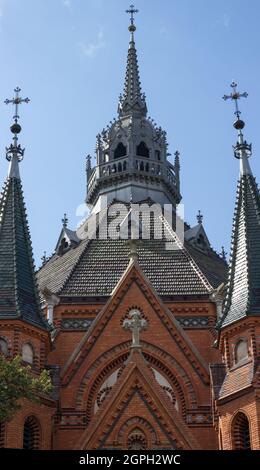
(237, 379)
(18, 290)
(94, 267)
(243, 289)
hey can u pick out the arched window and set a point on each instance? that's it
(241, 432)
(241, 350)
(31, 434)
(142, 150)
(137, 440)
(158, 154)
(27, 353)
(3, 347)
(120, 151)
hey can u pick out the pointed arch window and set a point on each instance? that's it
(241, 432)
(3, 347)
(142, 150)
(120, 151)
(241, 350)
(27, 353)
(31, 434)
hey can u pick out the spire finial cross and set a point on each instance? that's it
(65, 220)
(199, 217)
(132, 11)
(235, 96)
(15, 149)
(135, 323)
(16, 100)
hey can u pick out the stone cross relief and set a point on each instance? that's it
(135, 323)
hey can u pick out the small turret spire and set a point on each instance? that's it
(132, 100)
(243, 285)
(14, 153)
(18, 288)
(242, 150)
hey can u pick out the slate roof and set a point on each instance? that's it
(237, 379)
(95, 266)
(18, 291)
(243, 289)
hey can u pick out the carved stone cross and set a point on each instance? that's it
(135, 323)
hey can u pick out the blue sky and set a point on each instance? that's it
(69, 57)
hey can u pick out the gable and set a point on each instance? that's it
(137, 400)
(134, 290)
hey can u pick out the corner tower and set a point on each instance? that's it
(236, 382)
(131, 153)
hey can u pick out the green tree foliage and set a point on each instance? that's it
(16, 382)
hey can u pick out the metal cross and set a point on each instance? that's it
(136, 323)
(131, 11)
(235, 95)
(16, 101)
(65, 220)
(199, 217)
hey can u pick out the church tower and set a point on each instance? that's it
(24, 330)
(236, 381)
(132, 152)
(134, 321)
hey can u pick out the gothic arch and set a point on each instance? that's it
(100, 370)
(4, 346)
(31, 433)
(241, 350)
(120, 151)
(142, 150)
(240, 432)
(28, 353)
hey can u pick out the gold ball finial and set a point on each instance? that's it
(132, 28)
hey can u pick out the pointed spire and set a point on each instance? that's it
(44, 258)
(223, 253)
(132, 100)
(243, 287)
(18, 290)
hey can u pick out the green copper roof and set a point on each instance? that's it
(18, 290)
(243, 289)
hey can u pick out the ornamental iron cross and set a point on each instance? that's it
(235, 95)
(16, 101)
(65, 220)
(132, 11)
(136, 323)
(199, 217)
